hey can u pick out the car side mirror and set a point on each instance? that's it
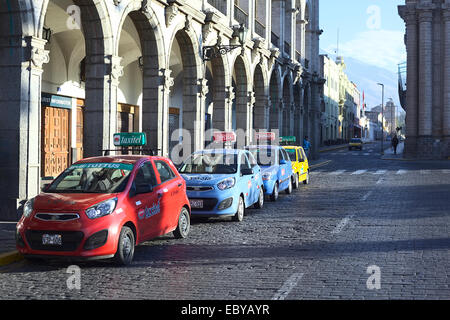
(45, 187)
(247, 172)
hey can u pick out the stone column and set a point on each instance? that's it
(229, 98)
(261, 118)
(249, 128)
(21, 62)
(412, 83)
(291, 119)
(446, 88)
(425, 82)
(100, 121)
(199, 126)
(155, 104)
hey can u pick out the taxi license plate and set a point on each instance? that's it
(196, 204)
(52, 239)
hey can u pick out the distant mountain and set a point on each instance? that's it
(366, 77)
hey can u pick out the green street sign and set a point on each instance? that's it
(288, 139)
(128, 139)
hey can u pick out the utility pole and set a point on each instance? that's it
(382, 117)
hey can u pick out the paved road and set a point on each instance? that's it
(359, 214)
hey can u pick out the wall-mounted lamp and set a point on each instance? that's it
(47, 34)
(211, 52)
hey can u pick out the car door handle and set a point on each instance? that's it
(179, 185)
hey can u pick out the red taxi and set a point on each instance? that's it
(102, 207)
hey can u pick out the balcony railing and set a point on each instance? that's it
(275, 40)
(260, 29)
(287, 48)
(220, 5)
(240, 16)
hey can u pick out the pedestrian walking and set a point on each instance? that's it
(395, 143)
(306, 146)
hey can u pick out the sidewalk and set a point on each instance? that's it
(389, 153)
(8, 252)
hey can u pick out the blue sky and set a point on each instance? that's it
(369, 30)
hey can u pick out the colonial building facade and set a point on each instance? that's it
(428, 78)
(73, 72)
(341, 102)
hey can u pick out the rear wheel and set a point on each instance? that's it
(125, 247)
(184, 225)
(239, 216)
(260, 203)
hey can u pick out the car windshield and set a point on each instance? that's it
(355, 141)
(92, 178)
(211, 163)
(264, 156)
(291, 153)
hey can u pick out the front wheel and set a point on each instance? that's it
(289, 188)
(125, 247)
(239, 216)
(274, 195)
(184, 225)
(296, 181)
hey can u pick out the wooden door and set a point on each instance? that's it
(55, 140)
(79, 138)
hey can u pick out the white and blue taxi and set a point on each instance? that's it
(276, 169)
(222, 182)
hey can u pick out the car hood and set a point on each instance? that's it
(68, 201)
(196, 179)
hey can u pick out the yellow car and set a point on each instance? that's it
(355, 143)
(299, 164)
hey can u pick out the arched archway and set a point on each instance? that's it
(187, 95)
(298, 116)
(260, 111)
(140, 46)
(243, 96)
(217, 108)
(275, 98)
(287, 123)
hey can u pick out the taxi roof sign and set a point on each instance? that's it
(129, 139)
(224, 136)
(265, 136)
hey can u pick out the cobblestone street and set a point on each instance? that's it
(317, 243)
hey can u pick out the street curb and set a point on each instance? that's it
(10, 257)
(315, 166)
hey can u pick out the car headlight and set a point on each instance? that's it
(226, 183)
(101, 209)
(28, 208)
(266, 175)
